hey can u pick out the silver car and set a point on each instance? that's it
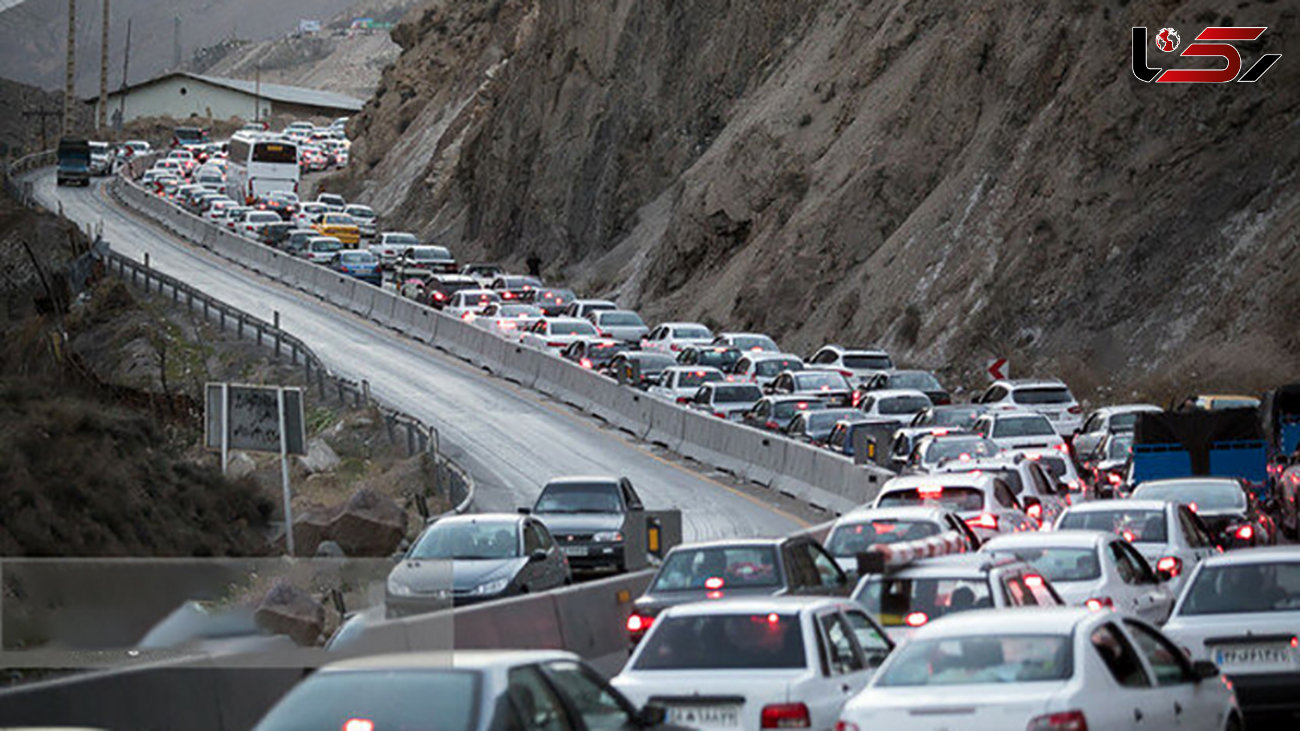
(623, 325)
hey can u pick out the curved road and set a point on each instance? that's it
(511, 439)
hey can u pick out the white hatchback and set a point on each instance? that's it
(1018, 430)
(984, 501)
(556, 334)
(1049, 397)
(751, 664)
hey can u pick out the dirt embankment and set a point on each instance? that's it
(952, 180)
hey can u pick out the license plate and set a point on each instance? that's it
(575, 550)
(1273, 654)
(696, 716)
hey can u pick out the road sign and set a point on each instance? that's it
(999, 369)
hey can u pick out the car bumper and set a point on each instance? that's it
(405, 606)
(594, 557)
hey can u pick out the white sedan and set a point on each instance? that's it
(1018, 430)
(671, 337)
(751, 664)
(1091, 568)
(1241, 611)
(1063, 669)
(467, 303)
(680, 383)
(984, 501)
(555, 334)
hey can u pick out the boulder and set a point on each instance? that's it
(288, 610)
(310, 526)
(369, 524)
(239, 464)
(329, 549)
(320, 457)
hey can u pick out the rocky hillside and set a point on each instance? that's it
(952, 180)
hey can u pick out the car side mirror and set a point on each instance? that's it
(525, 511)
(1163, 575)
(537, 556)
(1204, 670)
(651, 714)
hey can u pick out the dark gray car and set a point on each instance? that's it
(466, 559)
(586, 515)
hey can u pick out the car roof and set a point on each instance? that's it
(782, 398)
(682, 324)
(1069, 538)
(681, 368)
(482, 517)
(854, 351)
(582, 480)
(953, 479)
(1128, 408)
(731, 542)
(903, 511)
(896, 392)
(757, 355)
(993, 622)
(467, 659)
(760, 605)
(1017, 414)
(456, 278)
(1106, 506)
(567, 320)
(961, 565)
(1263, 554)
(1194, 478)
(1031, 382)
(581, 302)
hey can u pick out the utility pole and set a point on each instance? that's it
(103, 70)
(257, 95)
(70, 84)
(126, 65)
(176, 43)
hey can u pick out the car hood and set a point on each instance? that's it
(562, 523)
(428, 576)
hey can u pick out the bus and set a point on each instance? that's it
(258, 167)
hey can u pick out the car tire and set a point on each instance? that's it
(1234, 723)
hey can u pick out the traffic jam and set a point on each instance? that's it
(1034, 562)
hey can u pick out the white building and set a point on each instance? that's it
(182, 95)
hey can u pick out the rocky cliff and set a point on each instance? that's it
(952, 180)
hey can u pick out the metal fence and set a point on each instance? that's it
(402, 429)
(23, 191)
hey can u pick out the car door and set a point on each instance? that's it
(1198, 536)
(844, 670)
(534, 703)
(1153, 600)
(1128, 701)
(1090, 434)
(1182, 703)
(800, 575)
(533, 574)
(827, 578)
(588, 697)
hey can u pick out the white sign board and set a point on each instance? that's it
(308, 27)
(253, 424)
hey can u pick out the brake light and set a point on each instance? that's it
(508, 325)
(939, 432)
(846, 726)
(916, 619)
(675, 347)
(772, 425)
(930, 491)
(1067, 721)
(1245, 533)
(507, 295)
(846, 374)
(1192, 506)
(1035, 511)
(785, 715)
(985, 520)
(359, 724)
(713, 582)
(585, 363)
(1063, 447)
(637, 623)
(1171, 564)
(1114, 478)
(1099, 603)
(1034, 581)
(1076, 409)
(555, 344)
(720, 414)
(1127, 535)
(439, 296)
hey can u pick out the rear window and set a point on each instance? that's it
(754, 342)
(868, 362)
(787, 409)
(918, 380)
(979, 660)
(580, 498)
(774, 366)
(572, 328)
(958, 499)
(621, 318)
(1054, 466)
(1023, 426)
(735, 394)
(824, 381)
(359, 257)
(1137, 526)
(1204, 495)
(396, 239)
(1057, 564)
(1252, 587)
(717, 568)
(722, 642)
(900, 602)
(1124, 422)
(697, 378)
(432, 253)
(903, 404)
(1042, 395)
(691, 333)
(390, 699)
(720, 359)
(850, 539)
(962, 448)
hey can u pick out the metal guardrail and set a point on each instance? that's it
(21, 191)
(417, 436)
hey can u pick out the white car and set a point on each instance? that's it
(467, 303)
(752, 342)
(1091, 568)
(217, 210)
(858, 530)
(622, 325)
(680, 383)
(321, 249)
(763, 368)
(750, 664)
(1058, 669)
(507, 320)
(828, 386)
(985, 502)
(671, 337)
(1049, 397)
(555, 334)
(1106, 420)
(365, 218)
(1044, 498)
(1056, 462)
(726, 400)
(308, 213)
(857, 365)
(902, 404)
(390, 245)
(1168, 535)
(1241, 611)
(1018, 430)
(585, 308)
(253, 221)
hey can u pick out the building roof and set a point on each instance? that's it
(273, 92)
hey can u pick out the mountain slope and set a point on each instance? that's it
(953, 180)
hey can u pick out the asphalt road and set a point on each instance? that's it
(510, 439)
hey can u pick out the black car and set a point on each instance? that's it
(517, 288)
(593, 354)
(587, 517)
(795, 565)
(775, 413)
(1227, 508)
(639, 369)
(814, 427)
(923, 381)
(465, 559)
(276, 234)
(722, 357)
(440, 288)
(553, 300)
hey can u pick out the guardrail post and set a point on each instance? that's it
(239, 326)
(365, 392)
(410, 441)
(146, 260)
(276, 320)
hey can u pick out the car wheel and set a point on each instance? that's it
(1234, 723)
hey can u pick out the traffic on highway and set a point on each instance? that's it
(1029, 562)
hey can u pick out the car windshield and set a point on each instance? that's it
(572, 328)
(787, 409)
(903, 404)
(579, 498)
(263, 217)
(382, 699)
(861, 362)
(522, 283)
(819, 381)
(900, 602)
(1043, 395)
(739, 393)
(1220, 403)
(1022, 426)
(980, 659)
(824, 420)
(1203, 495)
(653, 362)
(961, 448)
(327, 245)
(691, 332)
(1052, 465)
(959, 499)
(625, 319)
(400, 240)
(718, 567)
(1137, 526)
(754, 342)
(519, 311)
(695, 379)
(721, 358)
(358, 257)
(1057, 563)
(773, 366)
(468, 540)
(1119, 447)
(724, 642)
(850, 539)
(919, 380)
(1244, 588)
(430, 253)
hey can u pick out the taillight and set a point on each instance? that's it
(785, 715)
(846, 374)
(984, 520)
(1067, 721)
(1245, 533)
(1114, 478)
(772, 425)
(585, 363)
(638, 623)
(1076, 409)
(720, 414)
(555, 344)
(683, 399)
(1035, 511)
(846, 726)
(1063, 447)
(1099, 603)
(1170, 564)
(675, 347)
(916, 619)
(439, 296)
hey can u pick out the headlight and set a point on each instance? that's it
(492, 587)
(397, 588)
(607, 536)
